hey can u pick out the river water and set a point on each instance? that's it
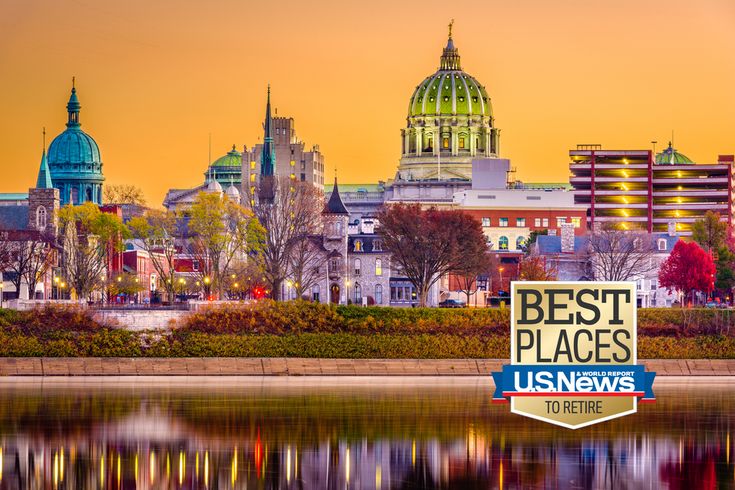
(342, 433)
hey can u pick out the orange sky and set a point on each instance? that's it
(156, 77)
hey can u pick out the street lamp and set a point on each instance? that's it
(500, 269)
(289, 283)
(347, 283)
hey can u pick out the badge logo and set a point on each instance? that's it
(573, 359)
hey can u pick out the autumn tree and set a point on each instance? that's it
(477, 262)
(28, 256)
(687, 269)
(88, 239)
(710, 232)
(427, 244)
(305, 262)
(156, 232)
(221, 233)
(618, 255)
(123, 194)
(534, 268)
(289, 216)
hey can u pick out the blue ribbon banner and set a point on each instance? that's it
(573, 381)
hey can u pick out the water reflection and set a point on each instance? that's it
(324, 433)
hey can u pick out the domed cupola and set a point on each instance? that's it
(672, 157)
(74, 160)
(227, 169)
(450, 118)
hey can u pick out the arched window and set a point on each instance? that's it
(378, 294)
(358, 267)
(520, 242)
(315, 293)
(503, 243)
(338, 228)
(74, 196)
(89, 194)
(358, 293)
(378, 267)
(358, 245)
(40, 218)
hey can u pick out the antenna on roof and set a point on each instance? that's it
(672, 137)
(210, 149)
(44, 139)
(73, 82)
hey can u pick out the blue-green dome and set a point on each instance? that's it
(74, 160)
(73, 146)
(232, 159)
(672, 157)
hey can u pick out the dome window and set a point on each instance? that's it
(461, 99)
(474, 99)
(431, 99)
(446, 98)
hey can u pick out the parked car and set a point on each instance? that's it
(452, 303)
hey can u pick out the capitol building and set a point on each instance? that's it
(450, 122)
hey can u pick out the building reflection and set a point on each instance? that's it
(150, 443)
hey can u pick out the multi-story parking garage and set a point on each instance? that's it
(638, 191)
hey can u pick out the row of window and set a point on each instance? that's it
(503, 243)
(537, 222)
(378, 267)
(357, 294)
(358, 246)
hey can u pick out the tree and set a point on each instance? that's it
(29, 255)
(532, 239)
(289, 217)
(709, 232)
(305, 262)
(123, 194)
(124, 283)
(474, 264)
(534, 268)
(221, 233)
(427, 244)
(617, 255)
(688, 269)
(89, 237)
(156, 233)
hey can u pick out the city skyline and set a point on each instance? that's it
(153, 130)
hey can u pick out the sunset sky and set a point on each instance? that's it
(155, 78)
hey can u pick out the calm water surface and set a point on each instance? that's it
(340, 433)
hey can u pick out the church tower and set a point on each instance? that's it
(74, 160)
(43, 200)
(335, 218)
(268, 182)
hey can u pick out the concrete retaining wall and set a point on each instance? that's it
(139, 319)
(238, 366)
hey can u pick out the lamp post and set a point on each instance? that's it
(1, 291)
(289, 283)
(500, 269)
(347, 283)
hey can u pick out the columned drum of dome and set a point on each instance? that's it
(74, 160)
(450, 122)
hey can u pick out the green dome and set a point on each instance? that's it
(232, 159)
(672, 157)
(450, 91)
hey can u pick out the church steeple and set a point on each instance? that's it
(44, 174)
(268, 155)
(73, 107)
(450, 55)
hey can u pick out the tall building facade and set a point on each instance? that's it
(281, 154)
(74, 160)
(637, 191)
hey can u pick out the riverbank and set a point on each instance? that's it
(240, 366)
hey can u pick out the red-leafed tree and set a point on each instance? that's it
(688, 269)
(426, 244)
